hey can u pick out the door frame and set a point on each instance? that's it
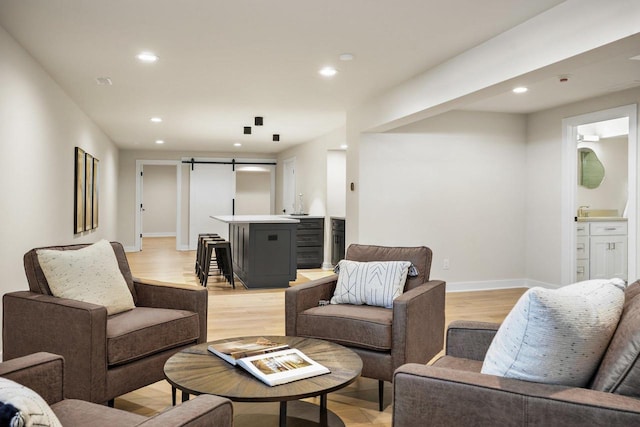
(138, 215)
(569, 173)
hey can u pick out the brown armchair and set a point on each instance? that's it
(411, 331)
(452, 391)
(44, 374)
(105, 356)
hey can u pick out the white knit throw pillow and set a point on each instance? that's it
(90, 274)
(557, 336)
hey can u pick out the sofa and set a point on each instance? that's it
(452, 391)
(43, 373)
(105, 355)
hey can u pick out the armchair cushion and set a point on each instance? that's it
(90, 274)
(375, 283)
(33, 410)
(143, 331)
(351, 325)
(557, 336)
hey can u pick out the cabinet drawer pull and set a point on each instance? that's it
(610, 229)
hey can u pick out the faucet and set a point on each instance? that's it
(581, 212)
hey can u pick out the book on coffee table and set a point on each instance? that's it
(232, 351)
(282, 366)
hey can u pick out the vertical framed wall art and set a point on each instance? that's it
(88, 192)
(79, 194)
(94, 209)
(86, 184)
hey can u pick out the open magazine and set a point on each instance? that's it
(282, 366)
(231, 351)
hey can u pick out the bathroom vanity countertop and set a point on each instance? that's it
(600, 218)
(252, 219)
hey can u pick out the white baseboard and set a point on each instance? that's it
(160, 234)
(183, 248)
(130, 249)
(490, 285)
(327, 266)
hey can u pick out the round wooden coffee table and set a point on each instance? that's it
(195, 370)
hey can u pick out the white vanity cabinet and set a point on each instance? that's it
(608, 250)
(601, 250)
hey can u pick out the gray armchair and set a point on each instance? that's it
(452, 391)
(44, 374)
(411, 331)
(105, 356)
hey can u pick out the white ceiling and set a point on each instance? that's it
(224, 62)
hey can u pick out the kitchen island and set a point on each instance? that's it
(263, 248)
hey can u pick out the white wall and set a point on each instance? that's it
(159, 200)
(453, 183)
(336, 183)
(253, 193)
(39, 128)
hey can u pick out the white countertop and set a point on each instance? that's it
(245, 219)
(599, 218)
(302, 216)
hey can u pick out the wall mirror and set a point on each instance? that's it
(590, 168)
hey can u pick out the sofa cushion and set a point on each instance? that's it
(361, 326)
(72, 412)
(90, 274)
(619, 371)
(557, 336)
(33, 410)
(373, 283)
(143, 331)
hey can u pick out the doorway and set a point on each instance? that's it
(174, 196)
(579, 134)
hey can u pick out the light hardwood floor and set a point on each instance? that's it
(238, 312)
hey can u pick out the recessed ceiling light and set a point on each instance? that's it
(237, 144)
(159, 141)
(156, 119)
(520, 89)
(344, 146)
(346, 57)
(635, 58)
(328, 71)
(147, 57)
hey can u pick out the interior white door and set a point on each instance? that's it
(211, 192)
(289, 186)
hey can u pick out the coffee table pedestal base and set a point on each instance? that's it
(298, 414)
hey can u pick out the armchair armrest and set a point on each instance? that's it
(302, 297)
(41, 372)
(469, 398)
(157, 294)
(470, 340)
(75, 330)
(204, 410)
(418, 322)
